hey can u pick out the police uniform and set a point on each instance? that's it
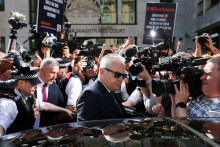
(16, 113)
(70, 85)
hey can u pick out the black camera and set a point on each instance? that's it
(19, 64)
(176, 64)
(14, 20)
(87, 53)
(16, 24)
(191, 76)
(203, 39)
(136, 68)
(26, 56)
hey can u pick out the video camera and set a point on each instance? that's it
(14, 21)
(26, 56)
(181, 67)
(52, 42)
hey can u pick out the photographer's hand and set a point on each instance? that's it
(179, 45)
(37, 62)
(210, 45)
(113, 50)
(44, 49)
(182, 95)
(6, 64)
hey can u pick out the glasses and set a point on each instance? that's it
(117, 74)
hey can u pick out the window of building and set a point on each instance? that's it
(33, 11)
(2, 44)
(2, 5)
(200, 8)
(109, 11)
(128, 11)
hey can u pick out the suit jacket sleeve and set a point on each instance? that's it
(87, 106)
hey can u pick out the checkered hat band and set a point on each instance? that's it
(25, 77)
(64, 64)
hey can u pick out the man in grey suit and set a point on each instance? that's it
(98, 101)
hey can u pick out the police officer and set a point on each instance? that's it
(19, 113)
(69, 83)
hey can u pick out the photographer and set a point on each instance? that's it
(207, 104)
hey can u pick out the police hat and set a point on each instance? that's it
(64, 62)
(31, 76)
(64, 44)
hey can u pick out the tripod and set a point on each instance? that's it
(12, 38)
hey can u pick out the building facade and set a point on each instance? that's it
(112, 21)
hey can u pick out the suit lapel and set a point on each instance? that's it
(104, 92)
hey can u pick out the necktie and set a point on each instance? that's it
(44, 93)
(44, 100)
(113, 96)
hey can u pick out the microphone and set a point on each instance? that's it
(131, 51)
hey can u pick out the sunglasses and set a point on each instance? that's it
(117, 74)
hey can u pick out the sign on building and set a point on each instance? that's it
(50, 16)
(158, 16)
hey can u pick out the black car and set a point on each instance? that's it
(131, 132)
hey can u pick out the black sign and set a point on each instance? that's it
(50, 16)
(159, 15)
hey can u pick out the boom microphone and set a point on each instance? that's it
(131, 51)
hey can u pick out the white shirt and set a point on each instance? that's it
(135, 96)
(40, 94)
(73, 90)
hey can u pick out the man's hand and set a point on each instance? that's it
(36, 111)
(182, 95)
(180, 45)
(6, 64)
(144, 74)
(70, 114)
(159, 109)
(210, 45)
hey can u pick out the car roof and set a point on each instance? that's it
(120, 132)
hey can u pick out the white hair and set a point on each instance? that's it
(108, 59)
(48, 62)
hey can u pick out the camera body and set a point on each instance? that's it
(52, 42)
(19, 64)
(136, 68)
(14, 20)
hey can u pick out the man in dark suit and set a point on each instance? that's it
(98, 100)
(47, 91)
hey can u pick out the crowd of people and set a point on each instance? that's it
(82, 88)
